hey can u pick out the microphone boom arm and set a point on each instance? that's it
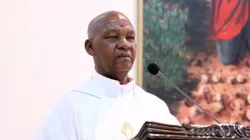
(184, 94)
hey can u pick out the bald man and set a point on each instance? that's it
(109, 106)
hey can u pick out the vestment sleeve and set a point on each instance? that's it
(167, 117)
(160, 108)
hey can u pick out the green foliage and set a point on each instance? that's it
(164, 35)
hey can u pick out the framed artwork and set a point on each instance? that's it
(202, 46)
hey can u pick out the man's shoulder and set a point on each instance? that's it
(85, 94)
(89, 89)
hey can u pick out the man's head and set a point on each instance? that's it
(111, 42)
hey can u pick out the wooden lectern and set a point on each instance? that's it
(158, 131)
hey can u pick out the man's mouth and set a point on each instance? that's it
(124, 57)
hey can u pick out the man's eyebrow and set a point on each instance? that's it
(131, 32)
(115, 30)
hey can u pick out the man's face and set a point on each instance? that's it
(114, 45)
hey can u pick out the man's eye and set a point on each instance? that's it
(131, 38)
(111, 37)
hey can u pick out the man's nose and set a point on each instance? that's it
(123, 44)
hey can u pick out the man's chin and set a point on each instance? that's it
(123, 67)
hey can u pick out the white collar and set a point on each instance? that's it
(113, 88)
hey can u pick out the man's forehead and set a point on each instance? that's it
(121, 23)
(114, 19)
(109, 20)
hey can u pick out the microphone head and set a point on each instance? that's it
(153, 68)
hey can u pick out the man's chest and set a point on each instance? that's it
(119, 122)
(112, 120)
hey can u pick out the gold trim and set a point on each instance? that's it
(140, 43)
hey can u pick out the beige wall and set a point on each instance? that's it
(42, 57)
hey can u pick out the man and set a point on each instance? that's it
(110, 106)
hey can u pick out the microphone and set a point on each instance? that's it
(155, 70)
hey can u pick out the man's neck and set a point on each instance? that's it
(122, 77)
(125, 80)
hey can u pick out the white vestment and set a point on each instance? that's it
(102, 109)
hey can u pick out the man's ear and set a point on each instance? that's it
(89, 48)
